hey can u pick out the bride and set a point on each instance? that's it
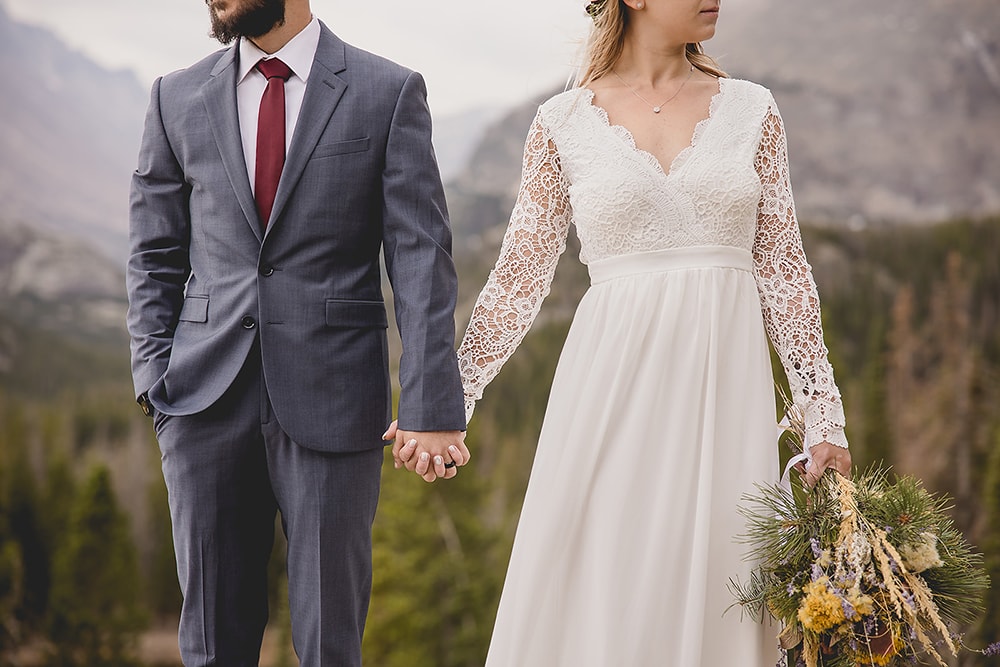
(661, 412)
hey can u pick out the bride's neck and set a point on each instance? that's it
(643, 62)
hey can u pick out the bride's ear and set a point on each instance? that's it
(635, 5)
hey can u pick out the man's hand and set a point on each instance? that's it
(430, 454)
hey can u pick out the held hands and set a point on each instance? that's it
(825, 456)
(430, 454)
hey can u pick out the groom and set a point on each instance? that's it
(271, 176)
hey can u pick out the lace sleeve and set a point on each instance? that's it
(788, 295)
(522, 277)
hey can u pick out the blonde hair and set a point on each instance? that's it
(607, 39)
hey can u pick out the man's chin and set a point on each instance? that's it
(220, 33)
(229, 23)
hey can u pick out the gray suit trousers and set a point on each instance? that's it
(228, 469)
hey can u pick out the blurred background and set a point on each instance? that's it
(893, 117)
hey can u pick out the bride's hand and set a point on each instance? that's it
(824, 456)
(431, 455)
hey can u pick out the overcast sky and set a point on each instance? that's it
(474, 53)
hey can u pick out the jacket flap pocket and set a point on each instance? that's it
(351, 314)
(341, 147)
(195, 309)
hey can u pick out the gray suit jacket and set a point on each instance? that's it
(204, 282)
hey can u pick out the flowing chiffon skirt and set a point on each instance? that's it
(661, 416)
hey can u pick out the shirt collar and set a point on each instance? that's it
(298, 53)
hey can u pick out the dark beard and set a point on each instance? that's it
(258, 18)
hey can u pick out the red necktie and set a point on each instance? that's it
(270, 136)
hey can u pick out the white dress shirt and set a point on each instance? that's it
(298, 54)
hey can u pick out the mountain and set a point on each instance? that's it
(882, 128)
(457, 135)
(892, 108)
(481, 195)
(55, 283)
(69, 137)
(62, 313)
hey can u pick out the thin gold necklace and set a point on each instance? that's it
(659, 107)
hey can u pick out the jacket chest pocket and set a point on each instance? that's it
(340, 148)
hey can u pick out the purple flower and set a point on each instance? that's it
(992, 650)
(908, 598)
(814, 543)
(846, 579)
(817, 572)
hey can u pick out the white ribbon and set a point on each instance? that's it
(804, 457)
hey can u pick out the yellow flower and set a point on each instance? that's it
(820, 609)
(863, 604)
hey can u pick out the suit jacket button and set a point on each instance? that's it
(249, 322)
(267, 271)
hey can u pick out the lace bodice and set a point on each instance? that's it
(729, 187)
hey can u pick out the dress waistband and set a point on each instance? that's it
(671, 259)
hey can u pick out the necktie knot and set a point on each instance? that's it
(273, 67)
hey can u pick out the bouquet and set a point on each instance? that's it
(864, 572)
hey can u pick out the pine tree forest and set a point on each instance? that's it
(87, 574)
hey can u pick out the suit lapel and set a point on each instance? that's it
(323, 92)
(219, 95)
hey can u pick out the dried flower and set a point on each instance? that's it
(820, 609)
(922, 555)
(864, 605)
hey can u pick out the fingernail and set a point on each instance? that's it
(385, 436)
(425, 456)
(453, 449)
(411, 443)
(439, 460)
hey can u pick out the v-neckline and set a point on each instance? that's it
(678, 160)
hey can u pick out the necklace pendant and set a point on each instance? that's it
(656, 109)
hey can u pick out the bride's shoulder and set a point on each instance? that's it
(563, 101)
(751, 91)
(559, 108)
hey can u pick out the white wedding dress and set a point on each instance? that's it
(661, 412)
